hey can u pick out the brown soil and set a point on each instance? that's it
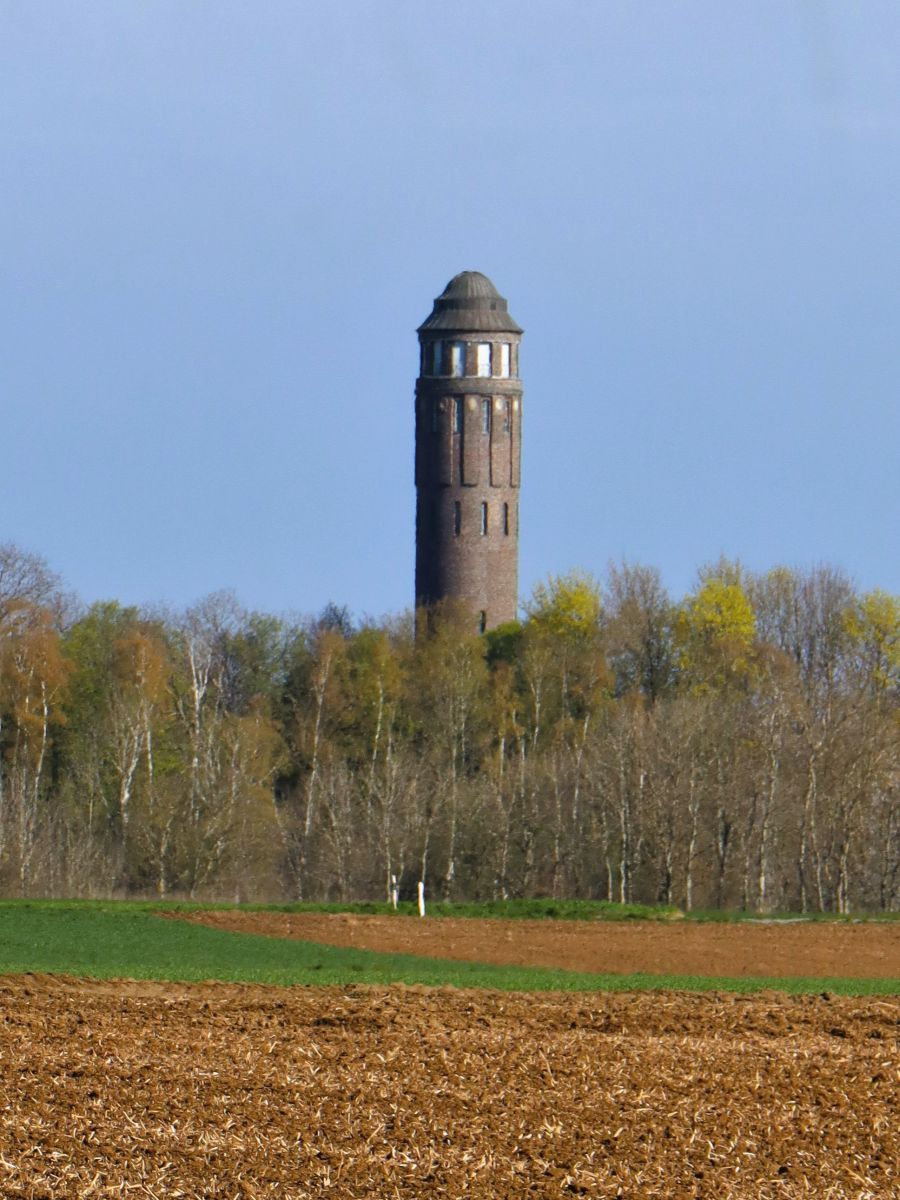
(816, 950)
(236, 1091)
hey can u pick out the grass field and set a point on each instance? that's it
(108, 940)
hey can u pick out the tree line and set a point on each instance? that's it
(735, 748)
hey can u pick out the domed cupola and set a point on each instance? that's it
(470, 304)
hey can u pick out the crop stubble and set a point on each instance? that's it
(214, 1090)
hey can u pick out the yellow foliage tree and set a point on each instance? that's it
(566, 606)
(563, 661)
(715, 629)
(873, 624)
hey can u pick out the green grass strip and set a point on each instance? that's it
(542, 908)
(547, 909)
(109, 941)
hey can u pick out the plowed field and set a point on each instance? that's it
(161, 1090)
(815, 949)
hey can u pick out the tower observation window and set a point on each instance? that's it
(504, 359)
(483, 360)
(457, 359)
(437, 358)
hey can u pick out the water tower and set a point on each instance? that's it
(468, 450)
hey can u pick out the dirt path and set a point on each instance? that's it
(814, 949)
(153, 1090)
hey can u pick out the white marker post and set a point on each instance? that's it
(395, 892)
(421, 898)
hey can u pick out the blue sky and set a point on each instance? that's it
(220, 224)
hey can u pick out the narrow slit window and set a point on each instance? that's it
(483, 360)
(484, 518)
(457, 518)
(507, 418)
(457, 414)
(486, 416)
(437, 358)
(482, 621)
(457, 359)
(506, 520)
(504, 359)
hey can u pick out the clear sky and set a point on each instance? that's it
(221, 223)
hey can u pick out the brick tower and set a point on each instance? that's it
(468, 439)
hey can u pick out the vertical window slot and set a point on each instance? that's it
(457, 518)
(457, 359)
(483, 360)
(484, 518)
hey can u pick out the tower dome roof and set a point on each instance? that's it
(470, 304)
